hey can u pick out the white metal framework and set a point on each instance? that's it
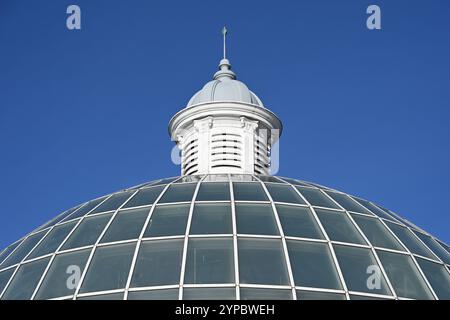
(259, 191)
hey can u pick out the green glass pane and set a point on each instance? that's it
(86, 208)
(5, 253)
(162, 294)
(25, 280)
(179, 193)
(437, 276)
(109, 268)
(255, 219)
(347, 203)
(109, 296)
(213, 191)
(211, 219)
(360, 270)
(374, 209)
(312, 265)
(361, 297)
(244, 191)
(339, 227)
(269, 179)
(265, 294)
(4, 278)
(126, 225)
(87, 232)
(404, 276)
(316, 198)
(209, 294)
(409, 240)
(158, 263)
(262, 261)
(25, 247)
(209, 261)
(63, 275)
(316, 295)
(298, 222)
(284, 193)
(144, 197)
(113, 203)
(53, 240)
(376, 233)
(434, 245)
(168, 220)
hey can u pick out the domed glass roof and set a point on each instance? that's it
(226, 237)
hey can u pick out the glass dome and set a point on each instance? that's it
(226, 237)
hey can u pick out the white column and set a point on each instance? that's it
(203, 128)
(248, 138)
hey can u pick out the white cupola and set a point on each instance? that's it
(225, 128)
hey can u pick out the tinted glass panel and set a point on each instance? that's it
(314, 295)
(158, 263)
(404, 276)
(262, 261)
(358, 297)
(265, 294)
(164, 294)
(213, 191)
(298, 222)
(8, 251)
(53, 240)
(410, 241)
(209, 293)
(58, 218)
(109, 268)
(25, 281)
(375, 209)
(179, 193)
(294, 182)
(126, 225)
(248, 192)
(312, 265)
(317, 198)
(144, 197)
(284, 193)
(4, 278)
(348, 203)
(437, 276)
(434, 245)
(255, 219)
(61, 278)
(164, 181)
(109, 296)
(114, 202)
(376, 233)
(87, 231)
(361, 271)
(269, 179)
(168, 221)
(209, 261)
(211, 219)
(23, 249)
(86, 208)
(339, 227)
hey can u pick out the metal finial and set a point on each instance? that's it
(224, 33)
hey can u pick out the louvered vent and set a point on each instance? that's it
(226, 150)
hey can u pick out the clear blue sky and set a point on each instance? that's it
(85, 113)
